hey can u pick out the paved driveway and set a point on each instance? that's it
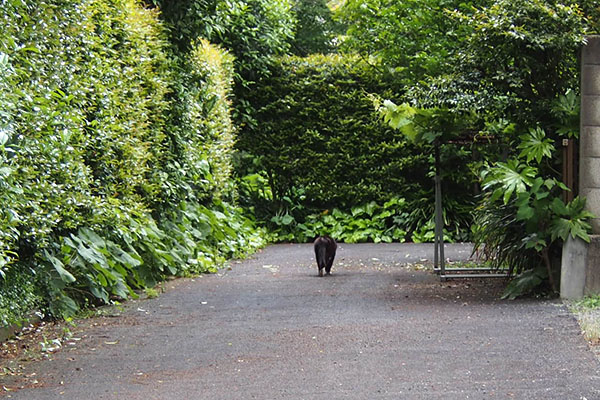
(269, 328)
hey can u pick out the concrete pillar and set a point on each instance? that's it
(580, 264)
(573, 266)
(589, 159)
(580, 268)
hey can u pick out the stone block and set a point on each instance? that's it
(592, 196)
(591, 51)
(580, 264)
(580, 268)
(590, 79)
(595, 223)
(592, 275)
(590, 172)
(572, 269)
(590, 110)
(590, 141)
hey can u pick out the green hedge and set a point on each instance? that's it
(319, 145)
(318, 131)
(115, 154)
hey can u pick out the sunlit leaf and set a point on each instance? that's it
(536, 145)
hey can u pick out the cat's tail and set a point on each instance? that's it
(321, 256)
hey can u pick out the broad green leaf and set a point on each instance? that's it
(558, 207)
(59, 267)
(510, 177)
(370, 208)
(561, 228)
(65, 306)
(525, 212)
(358, 210)
(535, 145)
(287, 219)
(91, 237)
(5, 172)
(400, 117)
(524, 283)
(4, 137)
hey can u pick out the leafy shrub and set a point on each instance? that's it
(369, 222)
(316, 29)
(523, 221)
(413, 39)
(394, 221)
(317, 133)
(115, 154)
(199, 129)
(319, 145)
(514, 59)
(18, 296)
(253, 31)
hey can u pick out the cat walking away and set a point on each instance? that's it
(325, 248)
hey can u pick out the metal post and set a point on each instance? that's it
(439, 259)
(439, 217)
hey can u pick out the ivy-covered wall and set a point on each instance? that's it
(115, 155)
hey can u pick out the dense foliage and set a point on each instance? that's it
(320, 146)
(114, 155)
(525, 53)
(412, 39)
(318, 132)
(316, 29)
(523, 220)
(255, 32)
(396, 220)
(513, 74)
(515, 61)
(118, 120)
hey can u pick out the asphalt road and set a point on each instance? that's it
(269, 328)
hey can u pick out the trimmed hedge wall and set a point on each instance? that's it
(319, 147)
(318, 131)
(114, 155)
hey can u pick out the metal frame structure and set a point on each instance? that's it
(439, 261)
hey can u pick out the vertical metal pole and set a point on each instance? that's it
(436, 242)
(436, 257)
(439, 217)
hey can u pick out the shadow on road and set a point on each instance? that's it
(380, 327)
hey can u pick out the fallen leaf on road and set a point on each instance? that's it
(272, 268)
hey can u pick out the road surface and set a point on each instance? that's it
(378, 328)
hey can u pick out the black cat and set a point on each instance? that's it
(325, 251)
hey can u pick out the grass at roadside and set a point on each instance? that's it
(587, 312)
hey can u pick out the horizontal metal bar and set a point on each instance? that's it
(472, 276)
(471, 269)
